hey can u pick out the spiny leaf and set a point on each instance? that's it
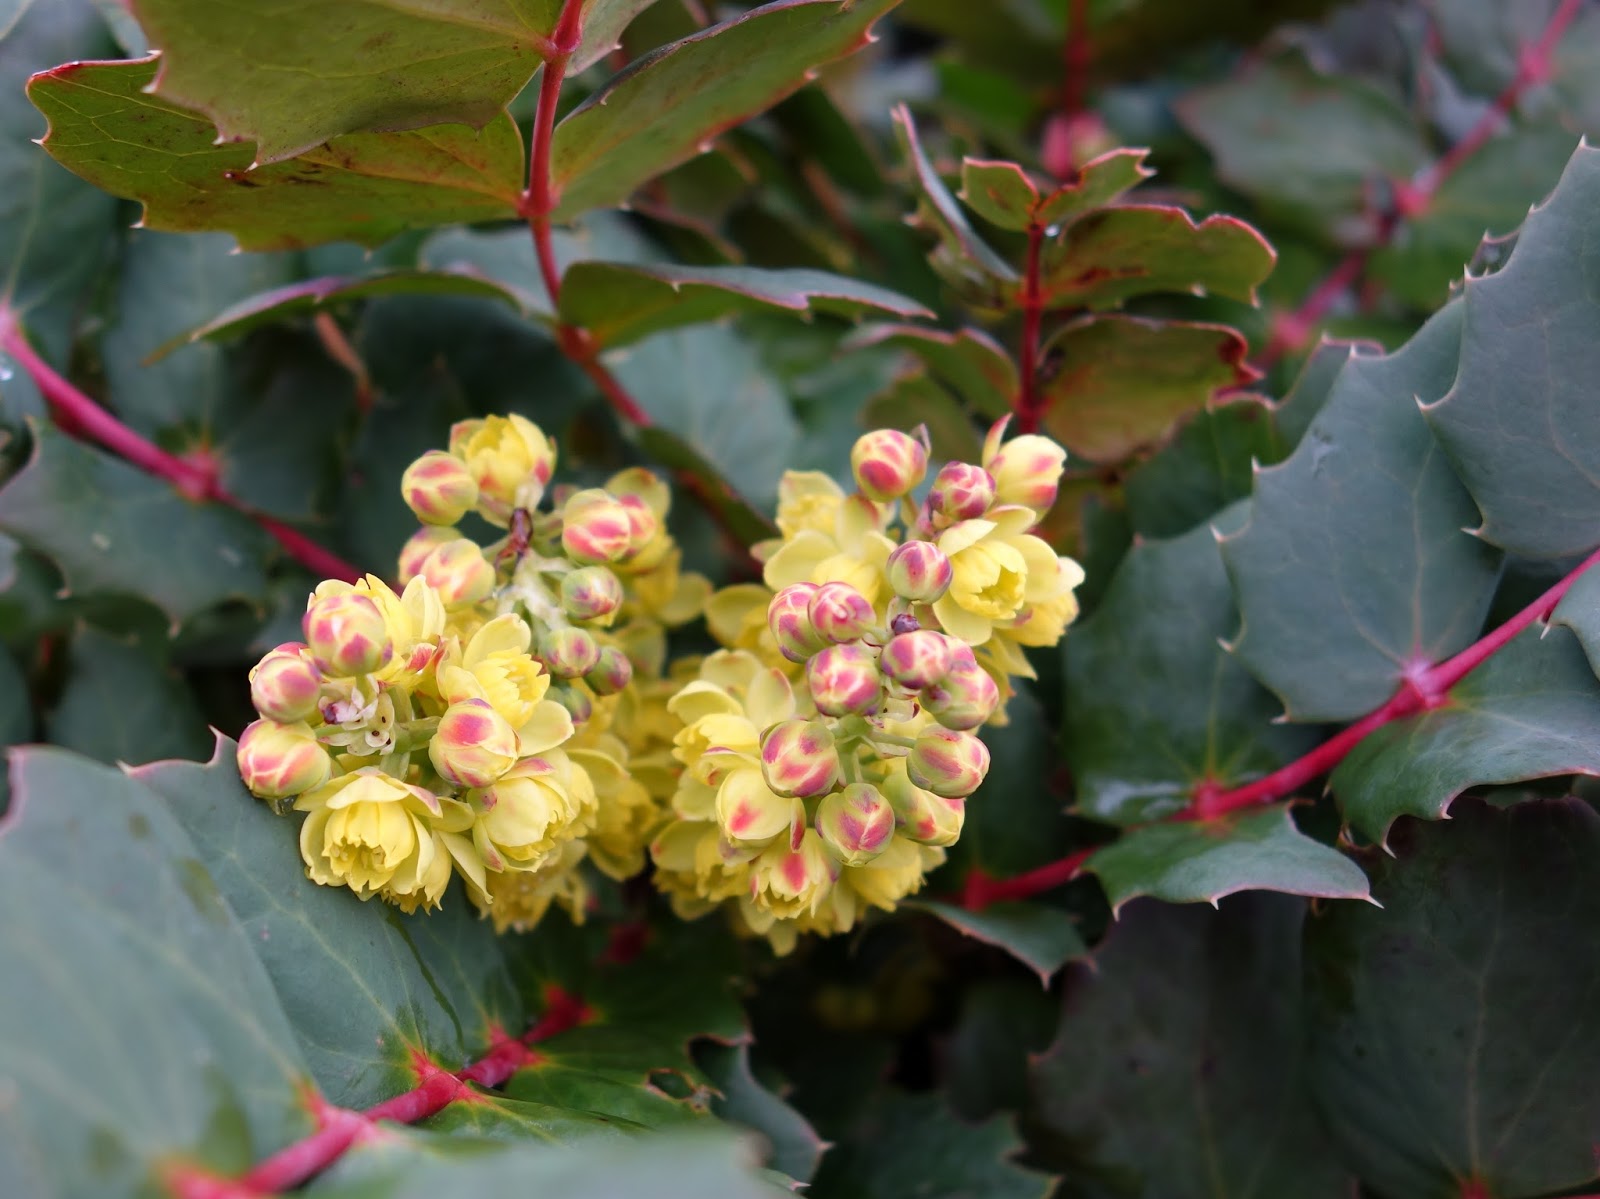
(1002, 193)
(1206, 467)
(1100, 181)
(365, 187)
(1006, 195)
(1355, 567)
(94, 714)
(1452, 1032)
(1579, 610)
(969, 361)
(1042, 938)
(793, 1146)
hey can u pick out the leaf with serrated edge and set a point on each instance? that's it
(1154, 705)
(1002, 193)
(1531, 711)
(1206, 467)
(968, 360)
(794, 1148)
(672, 102)
(1579, 610)
(1355, 566)
(1042, 938)
(1124, 381)
(1520, 424)
(619, 303)
(364, 187)
(1451, 1033)
(1100, 181)
(1200, 861)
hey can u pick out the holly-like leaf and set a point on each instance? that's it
(94, 714)
(1531, 711)
(111, 529)
(1208, 465)
(1179, 1069)
(1003, 1025)
(968, 361)
(1007, 196)
(668, 105)
(1100, 181)
(1042, 938)
(364, 187)
(1002, 193)
(1154, 705)
(915, 401)
(1312, 386)
(1579, 610)
(1451, 1031)
(1519, 424)
(1117, 383)
(619, 303)
(793, 1146)
(1112, 255)
(1200, 861)
(1355, 566)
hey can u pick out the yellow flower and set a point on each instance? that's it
(510, 459)
(828, 538)
(626, 815)
(527, 814)
(997, 569)
(698, 869)
(495, 666)
(895, 873)
(516, 900)
(414, 620)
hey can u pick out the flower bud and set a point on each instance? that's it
(284, 686)
(961, 491)
(839, 612)
(591, 593)
(919, 570)
(459, 572)
(798, 758)
(916, 660)
(575, 700)
(509, 457)
(948, 762)
(750, 811)
(439, 488)
(965, 697)
(924, 817)
(855, 823)
(419, 545)
(643, 525)
(596, 528)
(1026, 470)
(611, 674)
(788, 616)
(277, 761)
(474, 745)
(844, 680)
(569, 653)
(888, 463)
(346, 635)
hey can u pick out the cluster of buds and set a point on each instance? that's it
(467, 725)
(828, 754)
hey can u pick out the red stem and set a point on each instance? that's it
(196, 479)
(1030, 399)
(1075, 57)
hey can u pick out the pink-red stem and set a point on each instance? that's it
(1030, 397)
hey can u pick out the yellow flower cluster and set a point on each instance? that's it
(474, 723)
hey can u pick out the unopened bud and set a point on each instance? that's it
(284, 686)
(965, 697)
(798, 757)
(569, 653)
(948, 762)
(591, 593)
(856, 823)
(1026, 470)
(750, 811)
(920, 571)
(459, 572)
(840, 613)
(788, 616)
(474, 745)
(575, 700)
(611, 674)
(439, 488)
(419, 545)
(924, 817)
(961, 491)
(917, 659)
(888, 463)
(277, 761)
(844, 680)
(643, 524)
(346, 635)
(596, 528)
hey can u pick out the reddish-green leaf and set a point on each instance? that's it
(968, 361)
(1002, 193)
(1100, 181)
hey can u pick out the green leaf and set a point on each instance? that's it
(914, 401)
(112, 529)
(1308, 147)
(1042, 938)
(1312, 386)
(98, 716)
(1531, 711)
(1154, 705)
(1002, 193)
(1208, 465)
(1007, 196)
(793, 1146)
(1200, 861)
(1452, 1032)
(1519, 424)
(911, 1147)
(619, 303)
(1579, 610)
(365, 187)
(1015, 821)
(1178, 1069)
(1355, 566)
(1116, 383)
(1004, 1024)
(1100, 181)
(16, 713)
(665, 107)
(968, 361)
(1112, 255)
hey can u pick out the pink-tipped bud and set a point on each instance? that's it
(789, 618)
(856, 823)
(459, 572)
(346, 635)
(284, 686)
(965, 697)
(439, 488)
(750, 811)
(917, 659)
(948, 762)
(844, 681)
(919, 571)
(1027, 471)
(596, 528)
(474, 745)
(643, 524)
(888, 463)
(611, 673)
(924, 817)
(840, 613)
(591, 593)
(419, 545)
(575, 700)
(569, 653)
(961, 491)
(277, 761)
(798, 758)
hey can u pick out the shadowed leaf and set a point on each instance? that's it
(1042, 938)
(97, 717)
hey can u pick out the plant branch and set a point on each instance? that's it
(1030, 398)
(194, 477)
(1076, 52)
